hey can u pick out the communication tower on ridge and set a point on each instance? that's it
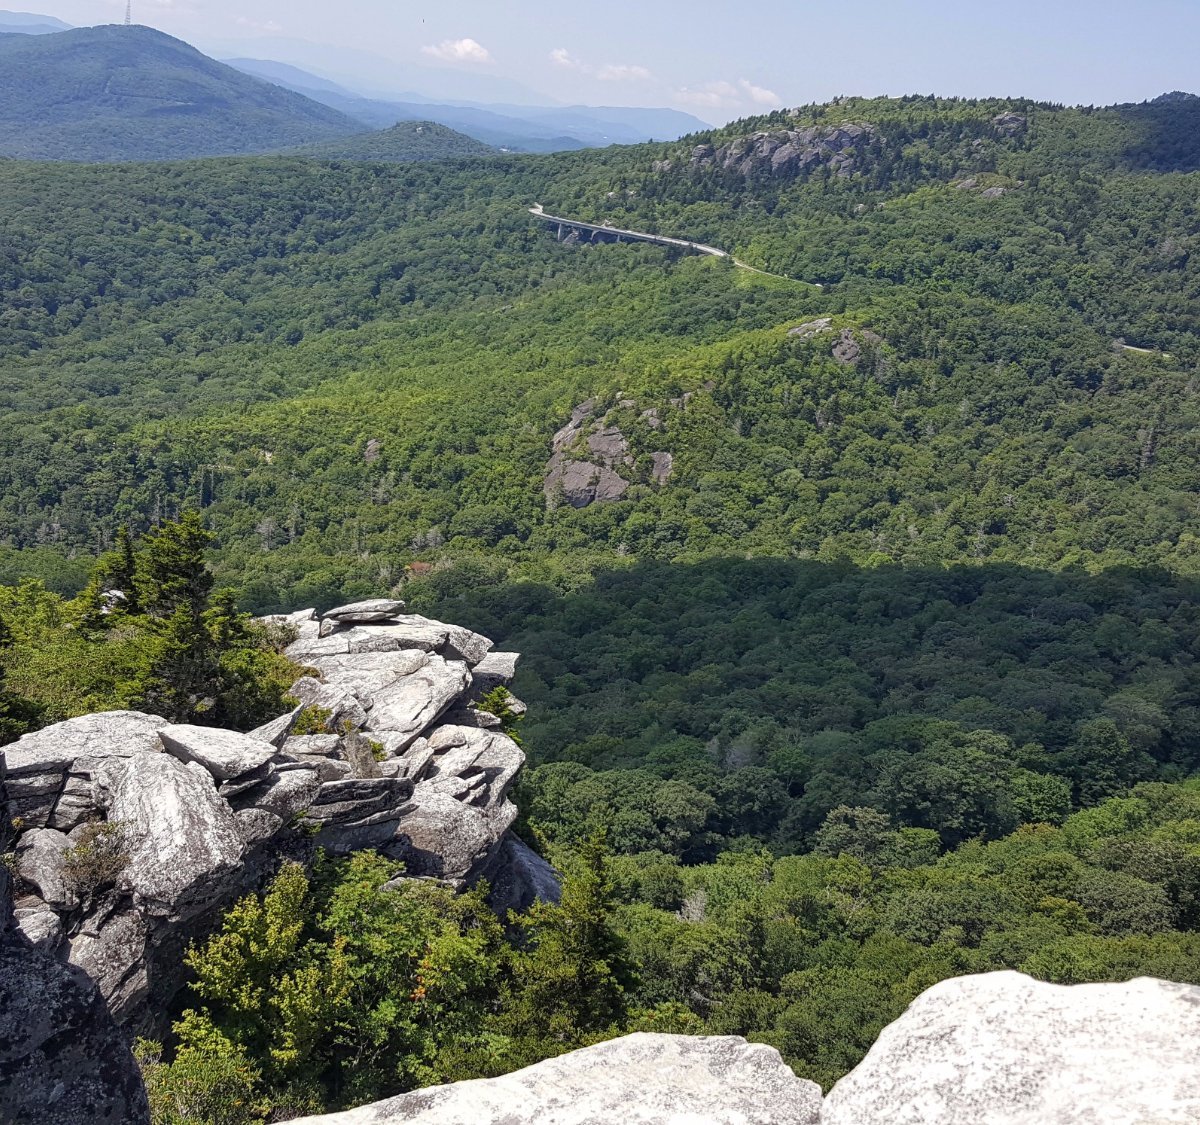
(128, 12)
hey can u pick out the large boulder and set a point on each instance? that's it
(40, 863)
(343, 706)
(181, 837)
(443, 836)
(365, 673)
(409, 705)
(1003, 1049)
(224, 753)
(497, 669)
(51, 772)
(366, 613)
(519, 877)
(285, 793)
(640, 1079)
(470, 752)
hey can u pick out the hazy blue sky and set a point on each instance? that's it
(718, 58)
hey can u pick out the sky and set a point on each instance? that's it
(715, 58)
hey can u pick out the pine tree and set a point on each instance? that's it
(569, 986)
(117, 570)
(172, 572)
(17, 715)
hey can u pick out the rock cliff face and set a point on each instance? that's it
(134, 833)
(62, 1059)
(790, 152)
(997, 1049)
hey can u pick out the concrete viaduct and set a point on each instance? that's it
(572, 230)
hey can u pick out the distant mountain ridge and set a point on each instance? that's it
(514, 127)
(225, 116)
(115, 93)
(30, 23)
(403, 142)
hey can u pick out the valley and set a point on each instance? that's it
(858, 614)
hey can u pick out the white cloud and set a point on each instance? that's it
(610, 72)
(459, 51)
(613, 73)
(712, 95)
(560, 56)
(760, 95)
(728, 95)
(269, 26)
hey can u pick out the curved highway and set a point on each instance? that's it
(539, 212)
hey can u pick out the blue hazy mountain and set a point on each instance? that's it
(131, 93)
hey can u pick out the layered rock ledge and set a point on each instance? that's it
(134, 834)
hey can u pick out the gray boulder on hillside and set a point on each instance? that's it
(1004, 1049)
(636, 1080)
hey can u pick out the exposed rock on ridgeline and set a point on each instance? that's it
(790, 152)
(997, 1049)
(178, 821)
(591, 461)
(638, 1080)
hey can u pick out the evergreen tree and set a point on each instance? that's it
(570, 985)
(17, 715)
(172, 570)
(118, 570)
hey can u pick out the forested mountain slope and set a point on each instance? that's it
(115, 93)
(860, 615)
(982, 264)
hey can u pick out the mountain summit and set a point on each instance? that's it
(131, 93)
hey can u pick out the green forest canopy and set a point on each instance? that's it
(893, 678)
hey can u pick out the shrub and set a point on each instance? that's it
(96, 860)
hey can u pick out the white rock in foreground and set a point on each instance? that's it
(1003, 1049)
(637, 1080)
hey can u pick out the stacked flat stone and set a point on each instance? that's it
(407, 766)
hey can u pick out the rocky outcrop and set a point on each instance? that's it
(638, 1080)
(591, 461)
(790, 152)
(581, 480)
(1010, 124)
(62, 1059)
(849, 347)
(1007, 1050)
(135, 833)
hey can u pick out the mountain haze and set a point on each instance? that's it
(115, 93)
(404, 141)
(519, 128)
(30, 23)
